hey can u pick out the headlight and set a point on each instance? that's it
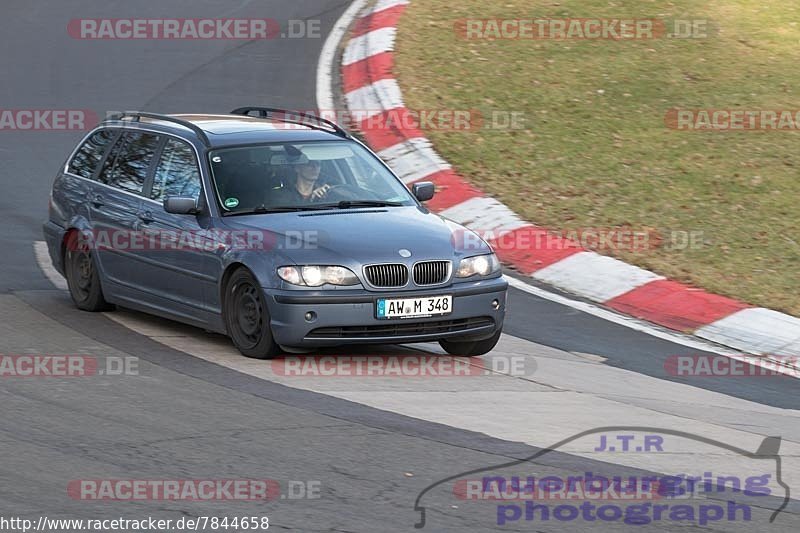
(317, 276)
(482, 265)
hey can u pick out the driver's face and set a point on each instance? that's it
(308, 171)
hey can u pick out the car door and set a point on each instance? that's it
(180, 256)
(114, 205)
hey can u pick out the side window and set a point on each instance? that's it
(177, 173)
(129, 171)
(108, 165)
(90, 153)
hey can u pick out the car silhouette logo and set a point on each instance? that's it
(768, 452)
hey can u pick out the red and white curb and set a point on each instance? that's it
(369, 84)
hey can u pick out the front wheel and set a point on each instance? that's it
(83, 279)
(470, 348)
(247, 318)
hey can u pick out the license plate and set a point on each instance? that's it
(414, 307)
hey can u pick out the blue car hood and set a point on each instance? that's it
(373, 235)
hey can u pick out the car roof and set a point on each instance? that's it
(230, 130)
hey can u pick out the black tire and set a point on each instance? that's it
(247, 317)
(82, 277)
(470, 348)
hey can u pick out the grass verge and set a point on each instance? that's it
(595, 151)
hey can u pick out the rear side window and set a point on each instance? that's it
(134, 155)
(177, 173)
(108, 165)
(90, 153)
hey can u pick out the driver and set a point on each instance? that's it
(306, 187)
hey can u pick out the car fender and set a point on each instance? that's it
(263, 265)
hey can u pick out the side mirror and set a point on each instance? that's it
(180, 205)
(423, 191)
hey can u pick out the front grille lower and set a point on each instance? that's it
(431, 272)
(387, 276)
(402, 328)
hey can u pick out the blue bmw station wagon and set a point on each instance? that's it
(279, 230)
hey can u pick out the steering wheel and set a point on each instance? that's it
(342, 191)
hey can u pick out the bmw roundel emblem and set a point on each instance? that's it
(404, 253)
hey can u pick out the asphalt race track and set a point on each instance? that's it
(362, 448)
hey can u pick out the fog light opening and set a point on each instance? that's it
(495, 304)
(311, 316)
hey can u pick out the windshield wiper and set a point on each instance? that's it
(262, 209)
(344, 204)
(347, 204)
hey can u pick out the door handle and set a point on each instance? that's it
(146, 217)
(98, 201)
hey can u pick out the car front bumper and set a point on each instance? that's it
(348, 316)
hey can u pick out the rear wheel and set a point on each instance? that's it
(247, 318)
(470, 348)
(83, 279)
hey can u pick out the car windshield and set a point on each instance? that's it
(303, 176)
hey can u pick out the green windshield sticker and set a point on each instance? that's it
(230, 203)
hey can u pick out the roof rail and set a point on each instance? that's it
(294, 117)
(136, 115)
